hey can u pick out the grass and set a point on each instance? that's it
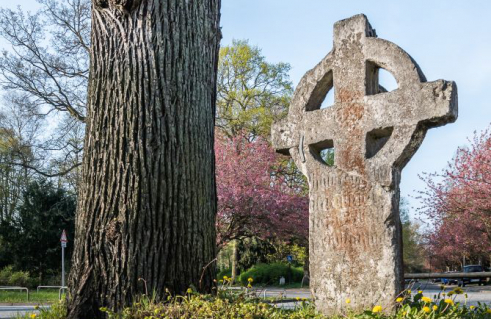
(44, 296)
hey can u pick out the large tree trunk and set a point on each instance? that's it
(147, 205)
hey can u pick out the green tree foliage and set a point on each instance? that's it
(252, 93)
(20, 157)
(328, 156)
(12, 178)
(413, 249)
(31, 239)
(253, 251)
(283, 249)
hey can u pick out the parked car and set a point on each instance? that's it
(449, 281)
(469, 269)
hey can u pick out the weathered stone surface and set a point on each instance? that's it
(355, 230)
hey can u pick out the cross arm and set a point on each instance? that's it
(431, 104)
(410, 114)
(284, 135)
(315, 126)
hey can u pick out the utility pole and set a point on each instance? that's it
(63, 241)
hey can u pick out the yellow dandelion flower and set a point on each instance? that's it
(400, 299)
(426, 309)
(472, 307)
(435, 307)
(33, 316)
(377, 309)
(298, 298)
(225, 278)
(409, 291)
(449, 301)
(348, 301)
(250, 279)
(420, 292)
(458, 291)
(488, 310)
(426, 299)
(189, 291)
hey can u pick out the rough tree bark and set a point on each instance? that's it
(147, 205)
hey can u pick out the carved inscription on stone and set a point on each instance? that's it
(355, 231)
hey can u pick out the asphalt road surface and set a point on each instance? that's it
(474, 293)
(13, 311)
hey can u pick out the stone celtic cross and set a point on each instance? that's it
(355, 229)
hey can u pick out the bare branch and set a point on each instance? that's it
(40, 172)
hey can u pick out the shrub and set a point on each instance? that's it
(9, 277)
(5, 275)
(269, 274)
(20, 278)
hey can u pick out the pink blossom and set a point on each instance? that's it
(460, 204)
(253, 200)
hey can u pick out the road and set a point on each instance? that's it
(13, 311)
(474, 293)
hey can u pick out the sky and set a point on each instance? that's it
(450, 40)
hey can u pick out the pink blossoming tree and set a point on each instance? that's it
(459, 203)
(253, 200)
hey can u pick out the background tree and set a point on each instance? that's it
(252, 93)
(46, 66)
(458, 202)
(30, 239)
(412, 240)
(12, 179)
(146, 207)
(18, 134)
(253, 199)
(252, 251)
